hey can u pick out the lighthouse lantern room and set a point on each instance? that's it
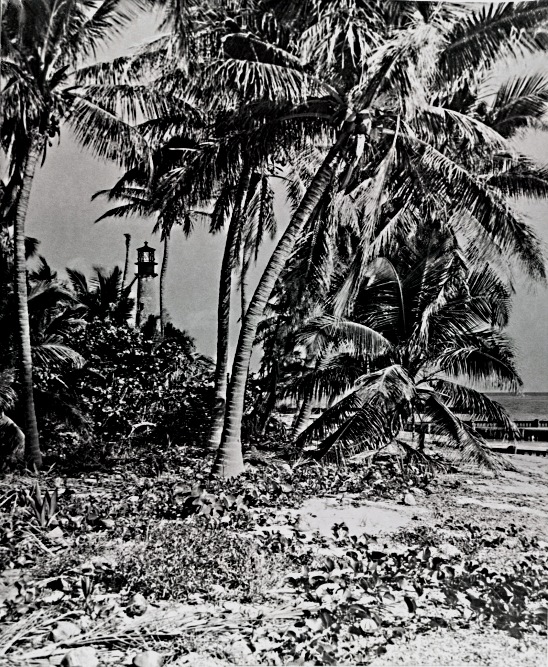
(145, 261)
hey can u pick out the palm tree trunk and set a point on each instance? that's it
(223, 313)
(243, 295)
(229, 460)
(303, 417)
(32, 443)
(163, 275)
(270, 402)
(126, 263)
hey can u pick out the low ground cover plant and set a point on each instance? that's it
(291, 595)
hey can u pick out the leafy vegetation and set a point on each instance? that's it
(380, 317)
(244, 568)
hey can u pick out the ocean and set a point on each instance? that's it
(532, 405)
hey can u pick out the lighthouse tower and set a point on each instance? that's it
(146, 285)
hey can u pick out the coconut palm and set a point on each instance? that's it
(188, 170)
(144, 193)
(251, 217)
(102, 298)
(423, 335)
(388, 109)
(44, 46)
(230, 162)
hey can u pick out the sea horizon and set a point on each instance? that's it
(524, 406)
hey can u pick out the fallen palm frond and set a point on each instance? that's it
(15, 633)
(110, 635)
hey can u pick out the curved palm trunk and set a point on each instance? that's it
(126, 262)
(270, 402)
(229, 461)
(32, 443)
(163, 275)
(303, 417)
(223, 314)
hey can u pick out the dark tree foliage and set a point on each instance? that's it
(140, 392)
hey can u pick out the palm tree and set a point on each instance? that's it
(54, 319)
(521, 103)
(425, 332)
(252, 216)
(387, 102)
(104, 297)
(223, 307)
(204, 170)
(126, 260)
(44, 44)
(144, 192)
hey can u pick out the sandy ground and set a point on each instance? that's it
(517, 497)
(361, 516)
(466, 648)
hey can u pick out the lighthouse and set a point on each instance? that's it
(146, 285)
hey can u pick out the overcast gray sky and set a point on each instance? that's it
(62, 216)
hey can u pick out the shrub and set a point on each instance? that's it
(139, 392)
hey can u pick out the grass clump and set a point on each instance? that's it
(194, 562)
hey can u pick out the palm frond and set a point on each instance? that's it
(521, 102)
(256, 80)
(105, 134)
(441, 123)
(334, 374)
(364, 340)
(523, 178)
(471, 447)
(105, 22)
(464, 400)
(8, 396)
(476, 452)
(78, 281)
(131, 102)
(50, 353)
(493, 32)
(487, 361)
(342, 35)
(140, 207)
(44, 294)
(366, 416)
(502, 224)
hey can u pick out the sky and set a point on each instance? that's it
(61, 215)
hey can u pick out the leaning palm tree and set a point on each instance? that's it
(251, 216)
(390, 106)
(204, 171)
(44, 46)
